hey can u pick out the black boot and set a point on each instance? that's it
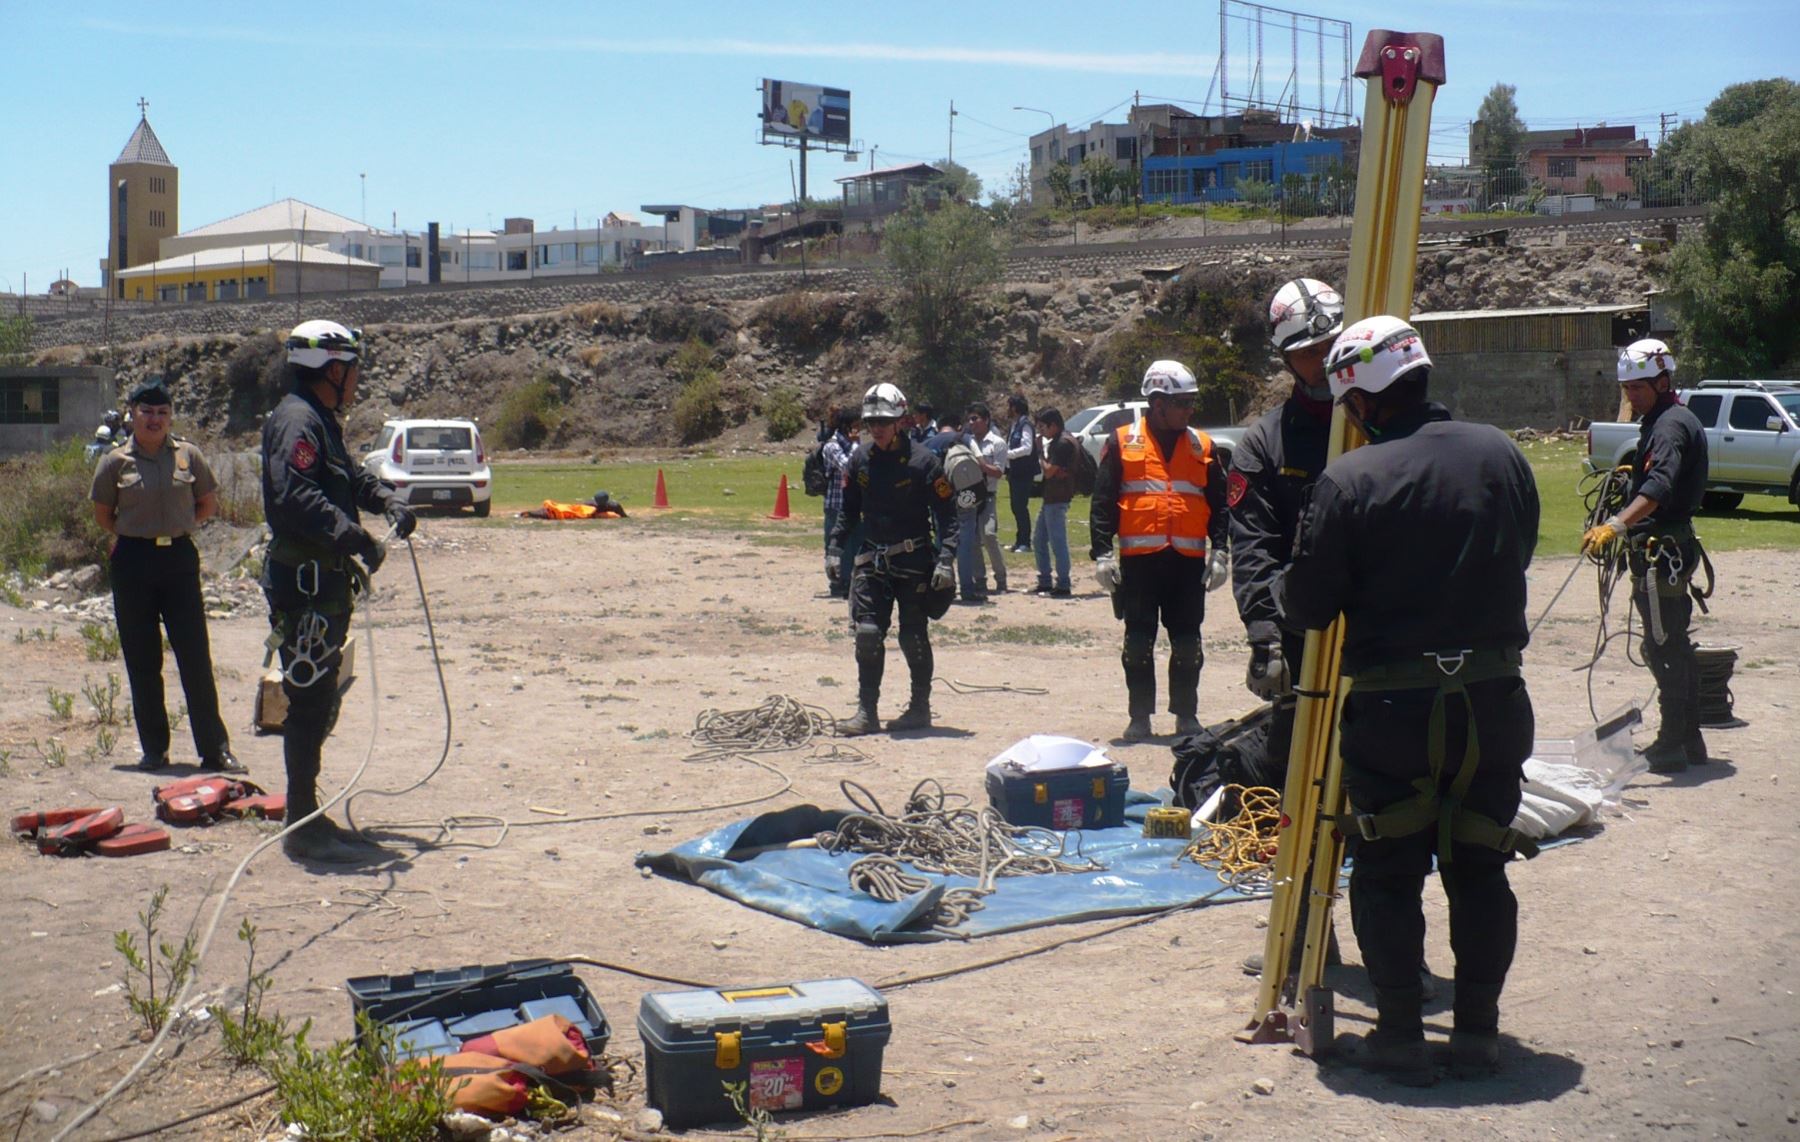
(1666, 756)
(916, 716)
(317, 839)
(1475, 1037)
(1139, 660)
(1695, 748)
(1185, 659)
(865, 720)
(1397, 1045)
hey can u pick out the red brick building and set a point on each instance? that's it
(1564, 161)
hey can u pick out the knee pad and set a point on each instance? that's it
(915, 640)
(1140, 647)
(869, 638)
(1185, 653)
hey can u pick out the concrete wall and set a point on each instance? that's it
(83, 396)
(1531, 388)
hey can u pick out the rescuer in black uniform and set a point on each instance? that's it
(152, 492)
(897, 490)
(1668, 478)
(311, 492)
(1157, 531)
(1274, 465)
(1421, 540)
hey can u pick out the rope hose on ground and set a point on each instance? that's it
(1242, 849)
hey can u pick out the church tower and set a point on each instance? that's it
(143, 202)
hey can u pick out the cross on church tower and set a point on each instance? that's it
(143, 107)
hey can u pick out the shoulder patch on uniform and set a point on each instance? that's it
(942, 488)
(305, 455)
(1235, 487)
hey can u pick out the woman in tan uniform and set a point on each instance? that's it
(152, 492)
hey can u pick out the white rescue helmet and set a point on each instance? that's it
(313, 344)
(1646, 360)
(1373, 354)
(1303, 313)
(884, 402)
(1170, 377)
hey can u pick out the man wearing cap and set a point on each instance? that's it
(151, 492)
(1668, 478)
(312, 491)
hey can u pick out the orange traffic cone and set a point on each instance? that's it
(662, 492)
(781, 500)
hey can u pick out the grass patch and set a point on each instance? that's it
(1762, 523)
(46, 522)
(1024, 634)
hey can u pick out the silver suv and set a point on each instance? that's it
(434, 463)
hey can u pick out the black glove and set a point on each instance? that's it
(401, 519)
(373, 552)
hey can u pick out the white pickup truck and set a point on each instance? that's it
(1752, 440)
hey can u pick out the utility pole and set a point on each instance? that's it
(1663, 124)
(950, 153)
(363, 215)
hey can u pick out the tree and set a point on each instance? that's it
(1736, 285)
(958, 181)
(1061, 181)
(1500, 127)
(945, 260)
(15, 339)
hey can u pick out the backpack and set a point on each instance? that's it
(962, 464)
(813, 476)
(1084, 471)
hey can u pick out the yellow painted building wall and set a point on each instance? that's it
(210, 279)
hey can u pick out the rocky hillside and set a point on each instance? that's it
(613, 361)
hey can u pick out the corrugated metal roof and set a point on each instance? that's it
(286, 214)
(144, 147)
(1548, 311)
(888, 170)
(258, 253)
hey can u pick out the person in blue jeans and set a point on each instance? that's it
(1050, 536)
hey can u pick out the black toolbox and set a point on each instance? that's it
(796, 1046)
(1089, 797)
(434, 1011)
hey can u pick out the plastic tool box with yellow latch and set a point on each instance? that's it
(796, 1046)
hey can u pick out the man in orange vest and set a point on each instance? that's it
(1159, 527)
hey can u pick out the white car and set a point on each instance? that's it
(433, 463)
(1091, 427)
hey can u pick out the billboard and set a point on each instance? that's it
(805, 111)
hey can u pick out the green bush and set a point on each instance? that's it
(527, 416)
(810, 322)
(15, 339)
(700, 408)
(46, 521)
(786, 414)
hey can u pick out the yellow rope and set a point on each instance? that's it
(1242, 849)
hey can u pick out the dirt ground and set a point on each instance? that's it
(1653, 994)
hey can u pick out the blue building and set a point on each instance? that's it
(1213, 176)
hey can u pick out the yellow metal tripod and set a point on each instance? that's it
(1403, 71)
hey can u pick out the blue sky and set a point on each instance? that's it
(466, 112)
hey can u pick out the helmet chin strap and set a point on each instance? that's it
(1369, 430)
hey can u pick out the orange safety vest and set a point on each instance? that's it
(1162, 503)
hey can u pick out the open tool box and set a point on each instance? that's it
(1057, 783)
(434, 1012)
(796, 1046)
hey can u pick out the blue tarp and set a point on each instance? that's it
(811, 886)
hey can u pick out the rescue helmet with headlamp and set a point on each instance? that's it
(1645, 360)
(884, 402)
(1372, 354)
(1303, 313)
(315, 344)
(1172, 378)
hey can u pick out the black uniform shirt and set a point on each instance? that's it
(897, 495)
(1103, 509)
(1671, 465)
(1271, 471)
(1421, 540)
(311, 488)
